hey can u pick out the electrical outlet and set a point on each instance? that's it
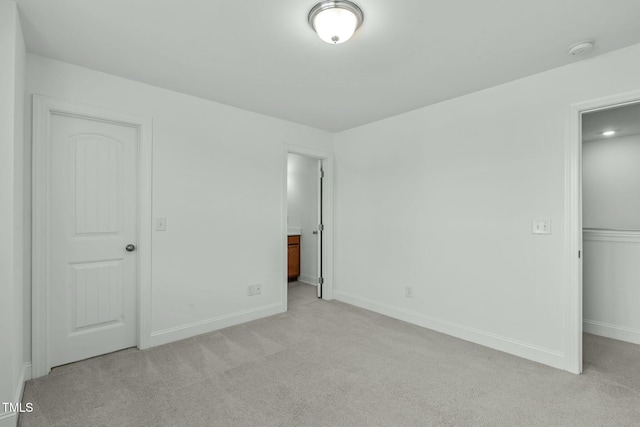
(251, 290)
(408, 292)
(258, 289)
(541, 226)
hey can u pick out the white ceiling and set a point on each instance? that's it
(623, 120)
(262, 55)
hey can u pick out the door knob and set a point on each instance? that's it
(130, 248)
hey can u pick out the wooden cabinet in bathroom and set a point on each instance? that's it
(294, 258)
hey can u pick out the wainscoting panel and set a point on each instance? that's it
(611, 283)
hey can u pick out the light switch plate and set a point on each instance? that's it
(161, 224)
(541, 226)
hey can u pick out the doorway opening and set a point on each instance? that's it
(611, 228)
(602, 220)
(307, 225)
(304, 221)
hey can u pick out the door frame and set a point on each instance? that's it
(573, 219)
(328, 218)
(43, 108)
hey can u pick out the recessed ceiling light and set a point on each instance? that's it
(335, 21)
(608, 133)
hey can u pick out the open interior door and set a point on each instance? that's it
(320, 228)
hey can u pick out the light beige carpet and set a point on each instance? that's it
(330, 364)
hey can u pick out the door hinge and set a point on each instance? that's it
(321, 227)
(321, 173)
(579, 254)
(321, 280)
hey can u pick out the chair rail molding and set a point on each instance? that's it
(611, 235)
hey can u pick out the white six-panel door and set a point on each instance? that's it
(93, 217)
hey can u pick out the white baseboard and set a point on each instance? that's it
(538, 354)
(27, 371)
(187, 331)
(308, 280)
(10, 419)
(611, 331)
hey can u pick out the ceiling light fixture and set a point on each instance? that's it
(335, 21)
(608, 133)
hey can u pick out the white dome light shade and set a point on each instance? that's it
(335, 21)
(335, 25)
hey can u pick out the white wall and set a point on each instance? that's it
(217, 178)
(19, 220)
(611, 183)
(611, 271)
(12, 68)
(442, 199)
(302, 201)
